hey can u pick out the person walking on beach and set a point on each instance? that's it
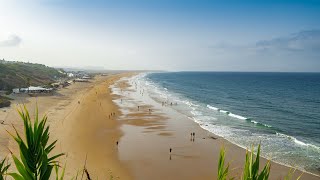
(194, 135)
(138, 108)
(170, 150)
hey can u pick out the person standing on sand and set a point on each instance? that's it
(194, 135)
(138, 108)
(170, 150)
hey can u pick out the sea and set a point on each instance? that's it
(279, 110)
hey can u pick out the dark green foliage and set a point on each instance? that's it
(35, 162)
(3, 168)
(4, 101)
(19, 74)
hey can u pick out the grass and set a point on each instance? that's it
(290, 173)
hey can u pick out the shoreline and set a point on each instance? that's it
(277, 170)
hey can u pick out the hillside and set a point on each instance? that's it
(4, 101)
(19, 74)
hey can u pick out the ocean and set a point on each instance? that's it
(279, 110)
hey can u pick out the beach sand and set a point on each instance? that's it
(79, 119)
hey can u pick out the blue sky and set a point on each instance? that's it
(164, 34)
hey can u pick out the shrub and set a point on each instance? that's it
(34, 162)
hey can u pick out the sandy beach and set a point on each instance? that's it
(88, 123)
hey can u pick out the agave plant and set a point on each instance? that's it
(251, 167)
(35, 162)
(222, 171)
(3, 168)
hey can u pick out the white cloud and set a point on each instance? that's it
(11, 41)
(301, 41)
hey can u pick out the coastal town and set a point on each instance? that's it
(65, 79)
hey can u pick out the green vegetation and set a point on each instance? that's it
(34, 162)
(251, 167)
(222, 171)
(3, 168)
(19, 74)
(290, 173)
(4, 101)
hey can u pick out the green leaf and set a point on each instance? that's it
(21, 169)
(56, 156)
(16, 176)
(47, 173)
(50, 147)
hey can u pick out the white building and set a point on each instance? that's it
(32, 89)
(81, 80)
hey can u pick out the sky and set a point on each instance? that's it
(173, 35)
